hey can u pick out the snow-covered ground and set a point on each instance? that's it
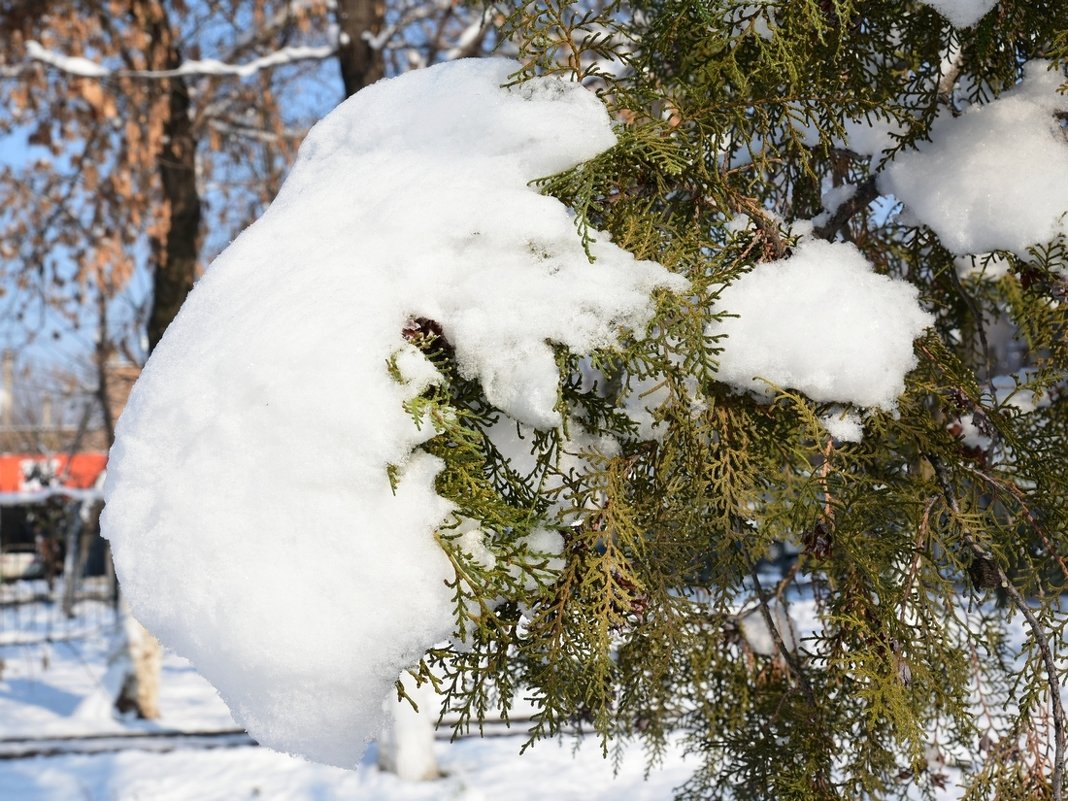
(51, 701)
(476, 770)
(59, 740)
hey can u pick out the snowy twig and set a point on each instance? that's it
(950, 76)
(468, 41)
(865, 193)
(283, 18)
(413, 13)
(85, 68)
(232, 128)
(1037, 629)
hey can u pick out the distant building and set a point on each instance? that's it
(31, 473)
(44, 462)
(36, 431)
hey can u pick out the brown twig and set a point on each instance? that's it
(917, 551)
(768, 227)
(825, 470)
(789, 656)
(865, 193)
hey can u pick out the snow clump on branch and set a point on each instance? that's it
(253, 522)
(821, 321)
(996, 177)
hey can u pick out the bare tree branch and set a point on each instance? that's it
(86, 68)
(866, 192)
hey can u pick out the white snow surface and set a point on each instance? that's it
(962, 13)
(844, 425)
(52, 668)
(53, 665)
(994, 178)
(823, 322)
(248, 505)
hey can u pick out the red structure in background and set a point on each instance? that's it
(27, 472)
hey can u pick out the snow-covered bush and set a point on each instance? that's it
(518, 386)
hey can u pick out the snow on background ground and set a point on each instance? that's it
(478, 771)
(48, 689)
(51, 676)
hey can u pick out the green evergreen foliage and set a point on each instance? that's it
(917, 554)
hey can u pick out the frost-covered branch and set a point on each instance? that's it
(865, 193)
(208, 67)
(251, 132)
(413, 13)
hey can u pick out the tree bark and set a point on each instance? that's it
(175, 256)
(140, 688)
(175, 264)
(361, 65)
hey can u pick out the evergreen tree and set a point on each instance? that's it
(919, 545)
(869, 395)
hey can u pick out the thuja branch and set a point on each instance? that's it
(1007, 487)
(1038, 631)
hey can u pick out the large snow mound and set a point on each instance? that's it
(253, 524)
(823, 322)
(996, 177)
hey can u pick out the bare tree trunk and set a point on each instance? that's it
(131, 683)
(71, 561)
(175, 257)
(361, 64)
